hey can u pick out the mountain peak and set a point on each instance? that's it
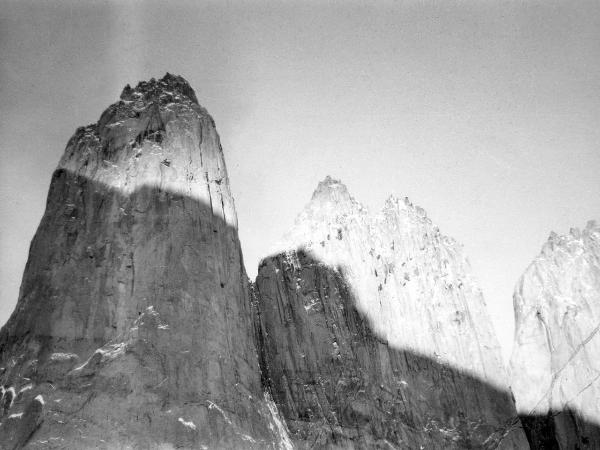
(332, 191)
(169, 84)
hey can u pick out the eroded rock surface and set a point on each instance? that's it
(555, 365)
(375, 335)
(133, 326)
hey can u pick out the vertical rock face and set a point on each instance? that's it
(555, 365)
(133, 325)
(374, 334)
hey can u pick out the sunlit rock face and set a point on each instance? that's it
(374, 333)
(555, 365)
(133, 326)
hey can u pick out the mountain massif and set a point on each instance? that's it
(136, 326)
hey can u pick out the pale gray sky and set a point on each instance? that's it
(486, 114)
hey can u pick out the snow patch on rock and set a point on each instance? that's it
(191, 425)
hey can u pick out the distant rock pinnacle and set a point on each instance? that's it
(330, 190)
(375, 335)
(555, 363)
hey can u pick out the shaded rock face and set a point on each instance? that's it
(133, 326)
(555, 365)
(374, 334)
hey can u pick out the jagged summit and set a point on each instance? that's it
(576, 232)
(157, 135)
(332, 207)
(331, 203)
(569, 244)
(327, 186)
(342, 271)
(146, 113)
(331, 197)
(331, 190)
(394, 204)
(169, 84)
